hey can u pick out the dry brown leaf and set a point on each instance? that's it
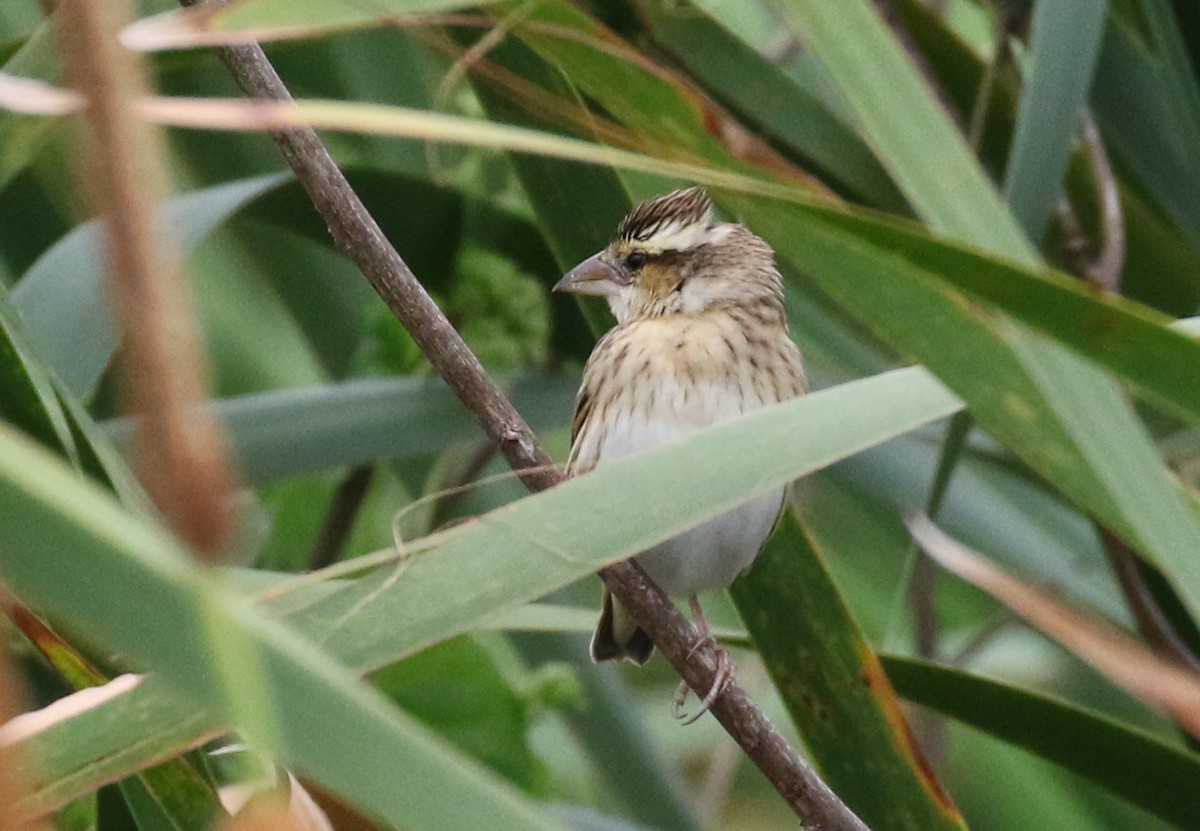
(1128, 663)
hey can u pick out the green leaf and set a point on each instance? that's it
(1064, 45)
(835, 688)
(767, 97)
(68, 329)
(1137, 767)
(226, 657)
(171, 797)
(290, 432)
(1148, 106)
(28, 401)
(532, 547)
(22, 136)
(1057, 413)
(458, 689)
(1126, 338)
(916, 142)
(759, 451)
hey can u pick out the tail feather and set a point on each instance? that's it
(619, 636)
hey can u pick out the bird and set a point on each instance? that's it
(701, 336)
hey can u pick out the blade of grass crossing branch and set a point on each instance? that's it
(226, 657)
(326, 726)
(835, 688)
(1065, 43)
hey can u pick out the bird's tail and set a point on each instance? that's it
(619, 636)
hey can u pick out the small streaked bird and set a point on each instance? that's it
(701, 337)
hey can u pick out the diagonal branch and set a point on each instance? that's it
(358, 236)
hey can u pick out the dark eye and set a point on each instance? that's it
(635, 260)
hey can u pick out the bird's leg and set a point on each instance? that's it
(722, 677)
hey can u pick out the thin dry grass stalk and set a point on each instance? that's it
(179, 450)
(1163, 684)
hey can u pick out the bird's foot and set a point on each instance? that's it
(721, 677)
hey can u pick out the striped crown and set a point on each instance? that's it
(674, 222)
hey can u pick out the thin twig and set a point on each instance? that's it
(347, 501)
(991, 71)
(928, 726)
(455, 485)
(355, 232)
(1105, 270)
(1152, 622)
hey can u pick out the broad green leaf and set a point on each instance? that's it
(1064, 45)
(458, 689)
(1146, 101)
(61, 299)
(165, 798)
(1057, 413)
(1138, 767)
(224, 656)
(916, 142)
(1125, 338)
(835, 688)
(758, 451)
(667, 115)
(28, 401)
(93, 748)
(533, 546)
(766, 96)
(290, 432)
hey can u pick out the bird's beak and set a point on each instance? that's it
(592, 276)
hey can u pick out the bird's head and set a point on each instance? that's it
(670, 257)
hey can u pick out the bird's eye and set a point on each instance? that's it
(635, 260)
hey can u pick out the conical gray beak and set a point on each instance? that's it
(592, 276)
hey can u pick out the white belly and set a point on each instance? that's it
(712, 554)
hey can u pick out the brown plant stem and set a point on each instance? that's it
(179, 449)
(339, 520)
(355, 232)
(457, 484)
(1105, 270)
(1152, 621)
